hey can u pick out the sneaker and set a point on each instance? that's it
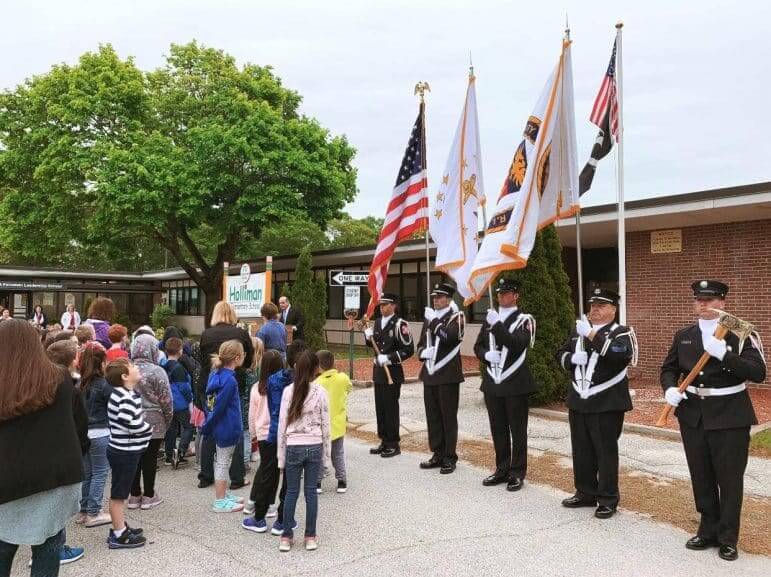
(127, 540)
(311, 543)
(272, 511)
(342, 486)
(150, 502)
(278, 528)
(256, 525)
(249, 507)
(81, 517)
(234, 498)
(137, 531)
(319, 490)
(226, 506)
(168, 462)
(69, 554)
(98, 520)
(285, 544)
(134, 502)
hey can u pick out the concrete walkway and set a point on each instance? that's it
(651, 455)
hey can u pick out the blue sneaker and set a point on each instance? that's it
(256, 525)
(69, 554)
(278, 528)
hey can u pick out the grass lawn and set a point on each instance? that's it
(760, 444)
(341, 351)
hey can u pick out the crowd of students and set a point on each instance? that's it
(112, 403)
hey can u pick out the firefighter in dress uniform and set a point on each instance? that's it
(506, 383)
(393, 338)
(715, 416)
(597, 354)
(442, 374)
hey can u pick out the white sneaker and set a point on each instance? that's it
(249, 508)
(98, 520)
(272, 511)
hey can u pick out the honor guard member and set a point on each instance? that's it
(442, 374)
(392, 336)
(715, 416)
(597, 355)
(502, 347)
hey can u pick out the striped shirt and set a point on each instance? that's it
(128, 429)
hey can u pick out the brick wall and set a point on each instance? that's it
(658, 285)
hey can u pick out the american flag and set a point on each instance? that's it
(607, 99)
(407, 211)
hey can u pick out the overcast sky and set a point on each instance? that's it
(696, 74)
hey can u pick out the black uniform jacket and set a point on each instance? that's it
(717, 412)
(446, 334)
(614, 349)
(394, 340)
(295, 318)
(520, 381)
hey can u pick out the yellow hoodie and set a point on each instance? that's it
(337, 385)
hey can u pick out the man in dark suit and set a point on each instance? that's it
(506, 383)
(291, 316)
(442, 374)
(597, 354)
(715, 415)
(393, 338)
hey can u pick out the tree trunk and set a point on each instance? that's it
(213, 294)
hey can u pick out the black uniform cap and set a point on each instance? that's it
(709, 288)
(506, 285)
(388, 298)
(443, 288)
(602, 295)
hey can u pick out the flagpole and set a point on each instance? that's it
(620, 180)
(421, 88)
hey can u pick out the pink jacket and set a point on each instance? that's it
(259, 415)
(311, 428)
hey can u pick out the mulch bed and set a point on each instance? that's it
(362, 368)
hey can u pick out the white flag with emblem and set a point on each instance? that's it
(541, 186)
(453, 222)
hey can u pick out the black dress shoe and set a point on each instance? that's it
(236, 486)
(390, 452)
(432, 463)
(604, 512)
(514, 484)
(728, 552)
(699, 543)
(575, 502)
(447, 468)
(202, 484)
(376, 450)
(494, 479)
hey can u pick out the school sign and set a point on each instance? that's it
(246, 292)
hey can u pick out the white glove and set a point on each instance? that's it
(493, 357)
(382, 360)
(492, 317)
(583, 327)
(673, 396)
(368, 332)
(716, 348)
(427, 353)
(580, 358)
(429, 314)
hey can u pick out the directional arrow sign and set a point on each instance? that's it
(347, 278)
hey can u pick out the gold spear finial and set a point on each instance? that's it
(421, 88)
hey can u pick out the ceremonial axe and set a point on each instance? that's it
(727, 322)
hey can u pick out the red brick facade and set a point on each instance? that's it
(658, 285)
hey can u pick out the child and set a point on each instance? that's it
(250, 377)
(266, 478)
(223, 420)
(182, 396)
(337, 385)
(117, 335)
(85, 333)
(129, 437)
(303, 446)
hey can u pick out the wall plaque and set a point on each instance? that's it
(663, 241)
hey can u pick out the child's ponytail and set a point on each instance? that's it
(229, 351)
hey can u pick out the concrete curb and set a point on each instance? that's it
(636, 428)
(407, 381)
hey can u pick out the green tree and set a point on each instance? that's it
(545, 293)
(286, 237)
(196, 157)
(309, 294)
(345, 232)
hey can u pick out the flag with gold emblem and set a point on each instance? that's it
(541, 185)
(453, 222)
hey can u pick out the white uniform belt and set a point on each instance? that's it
(705, 392)
(593, 390)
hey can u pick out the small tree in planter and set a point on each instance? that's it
(309, 294)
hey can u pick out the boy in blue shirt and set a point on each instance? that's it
(182, 396)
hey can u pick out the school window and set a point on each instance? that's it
(185, 301)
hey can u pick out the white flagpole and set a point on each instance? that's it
(620, 180)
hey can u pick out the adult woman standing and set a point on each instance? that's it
(157, 403)
(70, 319)
(100, 316)
(38, 319)
(223, 328)
(36, 426)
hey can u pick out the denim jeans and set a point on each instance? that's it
(45, 557)
(180, 426)
(95, 469)
(299, 459)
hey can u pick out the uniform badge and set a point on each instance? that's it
(703, 284)
(405, 329)
(597, 291)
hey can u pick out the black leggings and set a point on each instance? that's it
(265, 483)
(148, 465)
